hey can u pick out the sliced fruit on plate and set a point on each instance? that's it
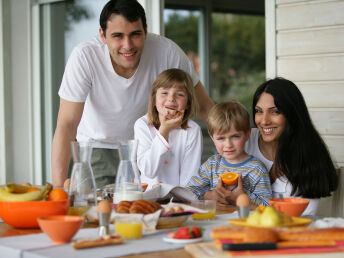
(186, 233)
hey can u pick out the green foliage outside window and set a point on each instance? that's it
(237, 54)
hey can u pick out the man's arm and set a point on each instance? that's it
(205, 103)
(67, 123)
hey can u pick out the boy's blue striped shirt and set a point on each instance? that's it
(255, 178)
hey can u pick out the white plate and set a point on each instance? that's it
(181, 241)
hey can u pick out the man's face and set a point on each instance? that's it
(125, 41)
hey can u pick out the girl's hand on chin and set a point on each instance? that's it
(173, 114)
(173, 122)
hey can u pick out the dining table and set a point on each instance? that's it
(22, 243)
(9, 231)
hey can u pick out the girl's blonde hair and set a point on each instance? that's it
(223, 116)
(168, 79)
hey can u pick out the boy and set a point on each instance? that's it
(229, 128)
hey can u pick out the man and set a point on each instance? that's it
(106, 85)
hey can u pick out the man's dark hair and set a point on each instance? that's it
(130, 9)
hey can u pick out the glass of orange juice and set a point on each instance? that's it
(129, 227)
(207, 205)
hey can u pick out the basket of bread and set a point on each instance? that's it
(156, 216)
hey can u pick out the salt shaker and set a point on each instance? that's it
(243, 204)
(104, 212)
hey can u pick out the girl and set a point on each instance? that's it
(170, 144)
(287, 142)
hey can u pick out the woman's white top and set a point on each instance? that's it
(281, 185)
(171, 162)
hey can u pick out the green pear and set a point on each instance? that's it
(270, 217)
(254, 218)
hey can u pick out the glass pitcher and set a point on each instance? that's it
(128, 183)
(82, 186)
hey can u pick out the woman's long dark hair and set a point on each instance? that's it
(302, 155)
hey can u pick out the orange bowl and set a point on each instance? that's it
(25, 214)
(291, 206)
(60, 228)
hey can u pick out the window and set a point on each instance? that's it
(236, 43)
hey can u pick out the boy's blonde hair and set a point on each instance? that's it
(223, 116)
(168, 79)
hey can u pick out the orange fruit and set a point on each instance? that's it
(229, 178)
(33, 189)
(57, 194)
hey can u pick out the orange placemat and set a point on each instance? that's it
(339, 247)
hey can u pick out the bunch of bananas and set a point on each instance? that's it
(13, 192)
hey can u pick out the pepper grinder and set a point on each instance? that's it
(243, 204)
(104, 212)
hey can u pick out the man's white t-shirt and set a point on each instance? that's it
(171, 162)
(113, 103)
(281, 185)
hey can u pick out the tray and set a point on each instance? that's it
(297, 221)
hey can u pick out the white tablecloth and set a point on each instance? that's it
(40, 246)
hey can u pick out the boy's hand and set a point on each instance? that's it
(235, 191)
(224, 194)
(220, 193)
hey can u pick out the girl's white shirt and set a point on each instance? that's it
(172, 162)
(281, 185)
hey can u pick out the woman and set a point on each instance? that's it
(287, 142)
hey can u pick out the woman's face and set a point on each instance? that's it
(268, 118)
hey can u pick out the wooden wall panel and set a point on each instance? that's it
(312, 68)
(327, 121)
(309, 38)
(326, 94)
(310, 14)
(315, 41)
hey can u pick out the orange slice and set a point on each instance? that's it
(229, 178)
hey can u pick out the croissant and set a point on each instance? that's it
(123, 207)
(139, 206)
(142, 206)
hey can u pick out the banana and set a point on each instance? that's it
(24, 197)
(16, 188)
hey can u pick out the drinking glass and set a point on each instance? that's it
(208, 205)
(128, 184)
(82, 186)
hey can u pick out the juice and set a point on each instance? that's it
(208, 215)
(129, 229)
(127, 196)
(78, 210)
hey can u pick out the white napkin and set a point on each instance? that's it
(329, 222)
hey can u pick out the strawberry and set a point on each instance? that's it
(182, 233)
(197, 232)
(171, 234)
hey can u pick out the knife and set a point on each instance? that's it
(249, 246)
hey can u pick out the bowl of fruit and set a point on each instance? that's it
(22, 204)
